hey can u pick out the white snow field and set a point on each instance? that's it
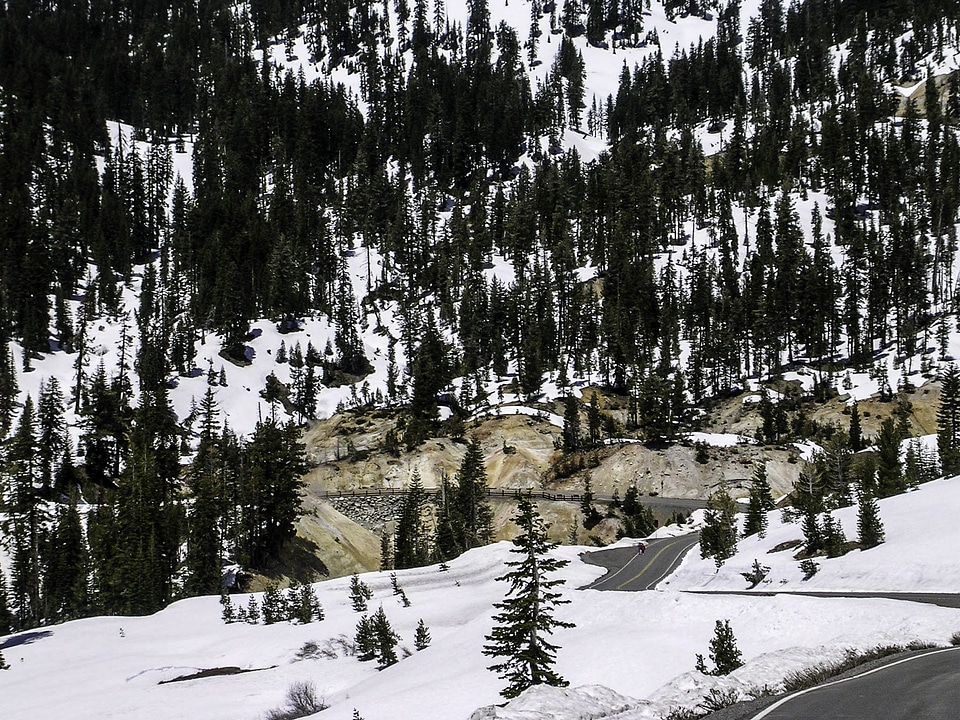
(639, 648)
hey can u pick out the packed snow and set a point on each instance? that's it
(631, 653)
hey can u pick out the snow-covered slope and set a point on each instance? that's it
(640, 647)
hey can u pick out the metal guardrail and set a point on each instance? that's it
(686, 504)
(491, 492)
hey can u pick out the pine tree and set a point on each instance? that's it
(590, 514)
(227, 612)
(869, 525)
(204, 551)
(526, 616)
(365, 640)
(26, 515)
(8, 385)
(421, 639)
(948, 421)
(66, 588)
(3, 663)
(104, 422)
(718, 538)
(51, 431)
(147, 513)
(472, 517)
(724, 652)
(359, 594)
(253, 611)
(571, 424)
(446, 541)
(385, 639)
(638, 521)
(302, 604)
(834, 541)
(7, 619)
(889, 471)
(386, 550)
(274, 466)
(855, 433)
(761, 502)
(273, 608)
(411, 548)
(833, 468)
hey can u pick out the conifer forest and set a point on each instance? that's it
(573, 196)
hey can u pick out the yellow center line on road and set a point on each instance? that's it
(652, 560)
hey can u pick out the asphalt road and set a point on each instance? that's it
(951, 600)
(627, 570)
(917, 687)
(921, 686)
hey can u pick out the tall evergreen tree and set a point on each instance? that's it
(411, 548)
(526, 616)
(472, 517)
(385, 639)
(204, 542)
(147, 513)
(761, 502)
(855, 431)
(7, 619)
(948, 420)
(889, 468)
(26, 516)
(8, 383)
(51, 431)
(869, 526)
(718, 538)
(571, 424)
(66, 584)
(274, 466)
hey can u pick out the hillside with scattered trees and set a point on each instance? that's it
(222, 224)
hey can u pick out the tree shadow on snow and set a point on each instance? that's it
(25, 638)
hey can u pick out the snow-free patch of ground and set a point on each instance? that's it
(640, 648)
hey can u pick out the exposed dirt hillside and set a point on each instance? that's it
(349, 452)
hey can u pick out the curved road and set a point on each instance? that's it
(919, 686)
(923, 685)
(627, 570)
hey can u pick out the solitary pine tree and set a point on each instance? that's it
(761, 501)
(359, 593)
(527, 614)
(855, 432)
(718, 538)
(385, 639)
(422, 638)
(386, 550)
(948, 421)
(869, 526)
(472, 515)
(889, 470)
(571, 424)
(411, 548)
(365, 640)
(724, 652)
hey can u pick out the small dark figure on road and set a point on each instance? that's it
(640, 548)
